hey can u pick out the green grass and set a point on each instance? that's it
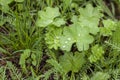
(59, 40)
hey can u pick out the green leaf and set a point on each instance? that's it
(53, 38)
(67, 39)
(79, 31)
(55, 64)
(3, 50)
(66, 4)
(89, 17)
(76, 34)
(19, 0)
(71, 62)
(3, 73)
(5, 2)
(65, 62)
(68, 62)
(47, 17)
(109, 27)
(58, 22)
(5, 7)
(47, 74)
(100, 76)
(85, 77)
(78, 61)
(34, 62)
(23, 58)
(33, 72)
(97, 53)
(115, 38)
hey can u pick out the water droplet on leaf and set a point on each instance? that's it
(57, 37)
(69, 39)
(63, 46)
(66, 42)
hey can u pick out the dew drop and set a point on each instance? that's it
(66, 42)
(69, 39)
(78, 34)
(63, 46)
(57, 37)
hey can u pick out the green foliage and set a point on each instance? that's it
(75, 34)
(115, 39)
(2, 73)
(109, 26)
(73, 63)
(68, 62)
(100, 76)
(58, 22)
(47, 17)
(4, 4)
(29, 56)
(105, 8)
(56, 65)
(33, 57)
(53, 38)
(97, 53)
(14, 72)
(3, 50)
(79, 32)
(59, 40)
(19, 0)
(23, 58)
(90, 17)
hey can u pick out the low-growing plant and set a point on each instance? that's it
(59, 40)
